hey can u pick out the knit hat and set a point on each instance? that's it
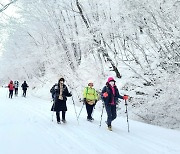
(90, 81)
(61, 79)
(111, 79)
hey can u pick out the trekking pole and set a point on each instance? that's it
(127, 114)
(80, 111)
(75, 110)
(101, 115)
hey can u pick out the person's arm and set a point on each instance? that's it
(118, 95)
(68, 94)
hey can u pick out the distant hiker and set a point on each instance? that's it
(16, 85)
(90, 98)
(60, 98)
(24, 88)
(53, 90)
(11, 88)
(110, 95)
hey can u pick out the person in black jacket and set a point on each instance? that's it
(60, 98)
(24, 88)
(110, 96)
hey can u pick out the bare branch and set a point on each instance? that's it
(4, 7)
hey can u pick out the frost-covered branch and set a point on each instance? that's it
(4, 7)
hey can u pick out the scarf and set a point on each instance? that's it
(113, 93)
(60, 91)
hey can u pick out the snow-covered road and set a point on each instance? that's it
(26, 127)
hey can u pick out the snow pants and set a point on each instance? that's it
(24, 93)
(111, 113)
(58, 115)
(89, 109)
(10, 93)
(16, 91)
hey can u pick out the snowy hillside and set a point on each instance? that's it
(135, 41)
(26, 127)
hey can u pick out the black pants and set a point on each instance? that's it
(111, 113)
(16, 91)
(10, 93)
(24, 93)
(58, 115)
(89, 109)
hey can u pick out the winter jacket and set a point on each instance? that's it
(90, 94)
(107, 100)
(60, 105)
(11, 86)
(24, 86)
(16, 84)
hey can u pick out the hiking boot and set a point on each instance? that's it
(89, 119)
(63, 120)
(92, 118)
(110, 128)
(58, 122)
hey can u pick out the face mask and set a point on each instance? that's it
(61, 82)
(111, 83)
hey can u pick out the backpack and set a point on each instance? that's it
(53, 89)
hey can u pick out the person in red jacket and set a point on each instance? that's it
(11, 89)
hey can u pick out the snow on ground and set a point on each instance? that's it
(26, 127)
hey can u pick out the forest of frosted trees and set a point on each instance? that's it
(135, 40)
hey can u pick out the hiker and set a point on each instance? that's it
(90, 99)
(60, 98)
(11, 89)
(24, 88)
(110, 95)
(16, 85)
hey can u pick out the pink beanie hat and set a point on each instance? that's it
(111, 79)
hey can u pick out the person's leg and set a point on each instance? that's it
(88, 109)
(113, 111)
(11, 93)
(24, 93)
(109, 114)
(63, 115)
(58, 116)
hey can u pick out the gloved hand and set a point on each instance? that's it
(105, 94)
(84, 101)
(95, 102)
(125, 97)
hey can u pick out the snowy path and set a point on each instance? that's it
(26, 127)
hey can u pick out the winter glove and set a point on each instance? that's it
(105, 94)
(125, 97)
(95, 102)
(70, 94)
(84, 101)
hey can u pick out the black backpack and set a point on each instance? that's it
(53, 89)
